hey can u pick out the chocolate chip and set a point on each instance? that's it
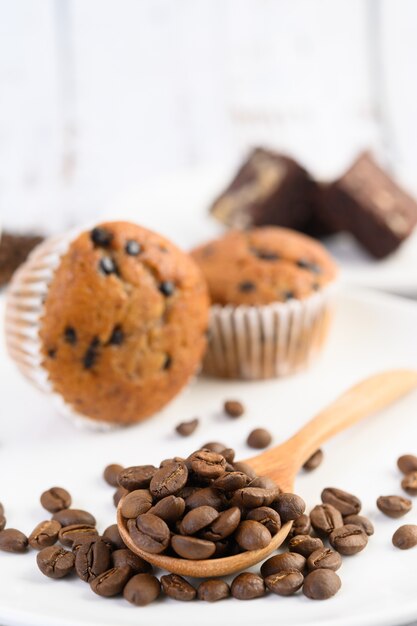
(91, 354)
(70, 335)
(185, 429)
(167, 362)
(288, 295)
(265, 255)
(107, 265)
(117, 336)
(101, 236)
(133, 248)
(52, 353)
(247, 286)
(167, 288)
(309, 265)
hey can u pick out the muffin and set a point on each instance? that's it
(111, 321)
(270, 293)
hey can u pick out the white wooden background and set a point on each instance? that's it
(99, 95)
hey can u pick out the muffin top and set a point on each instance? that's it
(264, 265)
(124, 322)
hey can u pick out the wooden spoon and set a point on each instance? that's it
(283, 462)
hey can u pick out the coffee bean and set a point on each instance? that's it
(124, 556)
(92, 558)
(136, 503)
(289, 506)
(349, 539)
(394, 506)
(111, 474)
(170, 509)
(253, 497)
(137, 477)
(112, 582)
(405, 537)
(321, 584)
(55, 562)
(142, 589)
(112, 536)
(314, 461)
(360, 520)
(325, 518)
(343, 501)
(247, 586)
(207, 464)
(286, 561)
(251, 535)
(214, 446)
(229, 455)
(101, 236)
(177, 588)
(234, 408)
(76, 533)
(150, 533)
(44, 534)
(267, 517)
(230, 481)
(2, 522)
(197, 519)
(12, 540)
(301, 526)
(208, 496)
(169, 480)
(1, 509)
(324, 558)
(213, 590)
(55, 499)
(175, 459)
(409, 483)
(285, 583)
(223, 526)
(407, 463)
(259, 438)
(185, 429)
(68, 517)
(241, 466)
(192, 548)
(265, 483)
(305, 545)
(120, 493)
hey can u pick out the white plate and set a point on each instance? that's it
(40, 449)
(165, 203)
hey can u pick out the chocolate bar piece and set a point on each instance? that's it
(14, 250)
(367, 202)
(269, 188)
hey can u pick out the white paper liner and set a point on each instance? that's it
(270, 341)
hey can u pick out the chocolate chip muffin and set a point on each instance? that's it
(118, 324)
(270, 296)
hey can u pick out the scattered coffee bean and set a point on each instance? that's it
(55, 562)
(197, 519)
(251, 535)
(394, 506)
(185, 429)
(170, 509)
(142, 589)
(407, 463)
(314, 461)
(55, 499)
(68, 517)
(305, 545)
(289, 506)
(285, 583)
(137, 477)
(76, 533)
(321, 584)
(120, 493)
(343, 501)
(177, 588)
(247, 586)
(301, 526)
(267, 517)
(112, 536)
(92, 558)
(111, 474)
(150, 533)
(405, 537)
(348, 539)
(213, 590)
(223, 526)
(124, 556)
(207, 464)
(133, 248)
(112, 582)
(284, 562)
(169, 480)
(136, 503)
(12, 540)
(44, 534)
(409, 483)
(259, 438)
(324, 558)
(325, 518)
(192, 548)
(360, 520)
(101, 237)
(234, 408)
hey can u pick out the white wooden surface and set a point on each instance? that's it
(99, 95)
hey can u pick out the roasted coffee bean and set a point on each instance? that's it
(68, 517)
(229, 455)
(111, 474)
(76, 533)
(267, 517)
(409, 483)
(251, 535)
(247, 586)
(343, 501)
(124, 556)
(230, 481)
(234, 408)
(112, 536)
(2, 522)
(44, 534)
(289, 506)
(174, 459)
(324, 558)
(208, 496)
(407, 463)
(286, 561)
(285, 583)
(314, 461)
(305, 545)
(225, 547)
(12, 540)
(55, 499)
(169, 480)
(112, 582)
(325, 518)
(349, 539)
(241, 466)
(192, 548)
(91, 559)
(207, 464)
(142, 589)
(177, 588)
(405, 537)
(301, 526)
(213, 590)
(394, 506)
(214, 446)
(197, 519)
(360, 520)
(120, 493)
(223, 526)
(150, 533)
(321, 584)
(185, 429)
(253, 497)
(170, 509)
(1, 509)
(259, 438)
(264, 482)
(136, 477)
(55, 562)
(136, 503)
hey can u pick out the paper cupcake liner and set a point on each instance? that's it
(24, 311)
(261, 342)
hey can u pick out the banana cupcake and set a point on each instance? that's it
(271, 301)
(110, 321)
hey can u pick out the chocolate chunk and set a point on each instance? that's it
(52, 353)
(167, 288)
(70, 335)
(309, 265)
(265, 255)
(247, 286)
(288, 295)
(107, 265)
(117, 336)
(133, 248)
(91, 354)
(101, 237)
(167, 362)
